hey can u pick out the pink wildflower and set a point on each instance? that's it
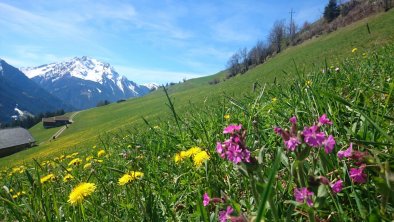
(206, 200)
(357, 175)
(324, 120)
(303, 194)
(224, 215)
(219, 149)
(231, 128)
(292, 143)
(234, 153)
(293, 120)
(234, 148)
(329, 144)
(337, 186)
(278, 130)
(313, 137)
(347, 153)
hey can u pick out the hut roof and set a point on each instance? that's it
(14, 137)
(48, 120)
(62, 118)
(55, 118)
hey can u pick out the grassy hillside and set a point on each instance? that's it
(92, 123)
(322, 150)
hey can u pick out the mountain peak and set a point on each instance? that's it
(84, 67)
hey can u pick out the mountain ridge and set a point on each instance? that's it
(84, 81)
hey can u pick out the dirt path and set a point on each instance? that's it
(60, 131)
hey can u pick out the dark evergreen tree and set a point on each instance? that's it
(331, 11)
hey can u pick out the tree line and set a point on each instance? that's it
(283, 35)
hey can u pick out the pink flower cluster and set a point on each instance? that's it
(224, 215)
(234, 149)
(356, 174)
(303, 195)
(312, 135)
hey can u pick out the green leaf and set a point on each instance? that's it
(269, 187)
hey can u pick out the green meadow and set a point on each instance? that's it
(92, 123)
(306, 136)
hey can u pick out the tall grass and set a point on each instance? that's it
(357, 96)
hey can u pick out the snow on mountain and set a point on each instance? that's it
(151, 86)
(84, 81)
(20, 114)
(83, 68)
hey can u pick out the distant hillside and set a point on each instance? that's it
(19, 95)
(83, 82)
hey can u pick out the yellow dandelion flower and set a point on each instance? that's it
(20, 169)
(192, 151)
(89, 158)
(183, 154)
(227, 116)
(354, 50)
(128, 177)
(308, 83)
(200, 157)
(18, 194)
(49, 177)
(67, 178)
(80, 192)
(274, 100)
(75, 162)
(178, 158)
(87, 166)
(11, 190)
(69, 169)
(100, 153)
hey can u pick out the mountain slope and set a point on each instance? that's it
(83, 82)
(92, 123)
(16, 90)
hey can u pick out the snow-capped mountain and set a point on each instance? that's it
(83, 82)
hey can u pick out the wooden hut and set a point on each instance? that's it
(55, 121)
(13, 140)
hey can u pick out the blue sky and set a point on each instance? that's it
(147, 40)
